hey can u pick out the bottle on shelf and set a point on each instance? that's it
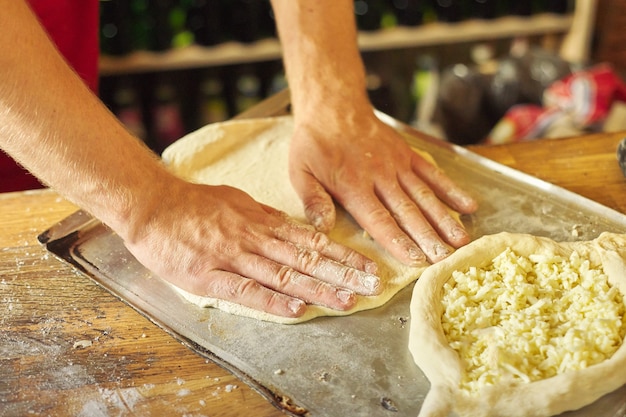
(380, 92)
(159, 11)
(485, 9)
(267, 20)
(168, 125)
(407, 12)
(449, 10)
(424, 85)
(127, 108)
(177, 20)
(243, 19)
(205, 23)
(213, 107)
(558, 6)
(115, 27)
(369, 14)
(521, 8)
(248, 90)
(277, 83)
(143, 25)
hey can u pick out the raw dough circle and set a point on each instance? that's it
(252, 155)
(547, 397)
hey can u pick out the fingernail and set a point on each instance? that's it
(345, 296)
(440, 250)
(318, 223)
(296, 306)
(457, 232)
(371, 268)
(466, 201)
(416, 255)
(320, 220)
(369, 281)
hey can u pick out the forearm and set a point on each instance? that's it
(321, 56)
(53, 125)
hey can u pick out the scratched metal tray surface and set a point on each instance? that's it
(357, 365)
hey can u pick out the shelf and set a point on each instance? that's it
(400, 37)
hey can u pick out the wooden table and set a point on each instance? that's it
(69, 348)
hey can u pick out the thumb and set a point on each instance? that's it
(319, 207)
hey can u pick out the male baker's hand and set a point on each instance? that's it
(393, 193)
(217, 241)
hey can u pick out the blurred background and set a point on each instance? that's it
(466, 71)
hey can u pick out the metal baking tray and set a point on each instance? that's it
(357, 365)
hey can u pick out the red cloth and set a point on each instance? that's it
(73, 27)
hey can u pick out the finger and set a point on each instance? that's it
(249, 293)
(412, 221)
(288, 281)
(446, 189)
(378, 222)
(303, 236)
(318, 204)
(312, 253)
(436, 213)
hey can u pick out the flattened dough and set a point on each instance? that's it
(547, 397)
(252, 155)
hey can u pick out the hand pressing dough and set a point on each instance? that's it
(252, 156)
(510, 397)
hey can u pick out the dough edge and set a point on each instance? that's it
(189, 155)
(441, 365)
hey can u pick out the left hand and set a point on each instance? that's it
(394, 194)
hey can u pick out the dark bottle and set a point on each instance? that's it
(128, 109)
(115, 27)
(243, 19)
(521, 7)
(177, 19)
(449, 10)
(369, 14)
(142, 25)
(213, 107)
(168, 125)
(408, 12)
(380, 93)
(484, 9)
(557, 6)
(267, 21)
(204, 21)
(621, 155)
(159, 11)
(248, 87)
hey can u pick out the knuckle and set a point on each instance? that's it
(318, 290)
(403, 207)
(230, 289)
(243, 287)
(348, 275)
(380, 215)
(319, 241)
(307, 260)
(422, 193)
(283, 277)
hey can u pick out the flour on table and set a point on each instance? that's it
(252, 155)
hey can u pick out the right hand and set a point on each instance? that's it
(216, 241)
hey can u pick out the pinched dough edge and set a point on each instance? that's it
(441, 364)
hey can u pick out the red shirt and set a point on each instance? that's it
(73, 27)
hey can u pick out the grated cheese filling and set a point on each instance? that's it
(523, 319)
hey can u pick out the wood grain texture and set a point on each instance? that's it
(586, 165)
(68, 347)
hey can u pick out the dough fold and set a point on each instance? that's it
(253, 155)
(441, 364)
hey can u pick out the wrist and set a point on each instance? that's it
(332, 100)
